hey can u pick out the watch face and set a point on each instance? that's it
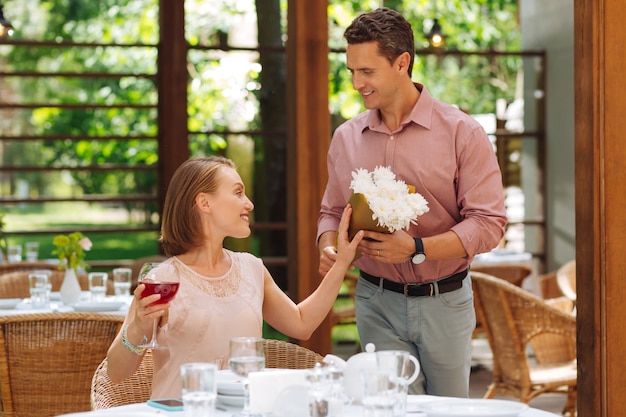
(418, 258)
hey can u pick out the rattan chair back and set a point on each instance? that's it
(285, 355)
(47, 360)
(512, 319)
(566, 279)
(134, 389)
(137, 388)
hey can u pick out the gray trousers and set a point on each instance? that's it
(436, 330)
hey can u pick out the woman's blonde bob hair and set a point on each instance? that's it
(181, 230)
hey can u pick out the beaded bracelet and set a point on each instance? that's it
(128, 345)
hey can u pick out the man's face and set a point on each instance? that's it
(373, 76)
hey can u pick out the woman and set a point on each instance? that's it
(222, 294)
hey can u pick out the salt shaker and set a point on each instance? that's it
(319, 386)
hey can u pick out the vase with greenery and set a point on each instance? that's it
(70, 249)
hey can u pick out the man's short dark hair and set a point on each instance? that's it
(388, 28)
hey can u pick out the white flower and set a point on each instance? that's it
(392, 205)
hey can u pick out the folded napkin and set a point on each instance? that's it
(266, 386)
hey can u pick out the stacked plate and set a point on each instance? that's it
(9, 303)
(229, 388)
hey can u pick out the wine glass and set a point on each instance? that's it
(246, 355)
(158, 278)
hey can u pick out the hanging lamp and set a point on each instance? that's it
(436, 37)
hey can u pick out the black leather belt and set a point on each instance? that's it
(427, 289)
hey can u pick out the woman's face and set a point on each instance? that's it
(230, 207)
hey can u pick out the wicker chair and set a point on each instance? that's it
(512, 319)
(137, 388)
(515, 273)
(25, 266)
(47, 361)
(566, 279)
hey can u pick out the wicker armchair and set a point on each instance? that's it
(285, 355)
(47, 361)
(515, 273)
(137, 388)
(512, 319)
(566, 279)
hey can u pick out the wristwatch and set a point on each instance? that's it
(419, 256)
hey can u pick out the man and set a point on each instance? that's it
(414, 292)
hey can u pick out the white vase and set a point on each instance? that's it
(70, 289)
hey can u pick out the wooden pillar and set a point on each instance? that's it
(600, 101)
(307, 144)
(172, 82)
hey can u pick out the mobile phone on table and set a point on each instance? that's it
(168, 404)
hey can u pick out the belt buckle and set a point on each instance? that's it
(406, 290)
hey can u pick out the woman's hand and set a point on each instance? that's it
(346, 250)
(145, 309)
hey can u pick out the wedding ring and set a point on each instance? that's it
(379, 253)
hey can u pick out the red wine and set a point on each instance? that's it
(166, 289)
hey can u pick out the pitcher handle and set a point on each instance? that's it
(416, 372)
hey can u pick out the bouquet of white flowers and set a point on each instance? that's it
(391, 204)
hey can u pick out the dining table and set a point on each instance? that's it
(110, 305)
(416, 406)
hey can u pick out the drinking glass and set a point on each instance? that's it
(32, 251)
(38, 290)
(14, 253)
(380, 392)
(246, 355)
(398, 362)
(158, 278)
(98, 285)
(122, 282)
(199, 381)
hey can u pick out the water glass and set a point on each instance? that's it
(39, 294)
(122, 281)
(14, 253)
(32, 251)
(199, 380)
(380, 392)
(398, 362)
(98, 285)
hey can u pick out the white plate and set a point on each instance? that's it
(477, 407)
(229, 384)
(232, 400)
(98, 306)
(9, 303)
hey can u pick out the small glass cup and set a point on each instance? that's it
(39, 294)
(14, 253)
(398, 362)
(380, 392)
(199, 380)
(122, 282)
(98, 285)
(32, 251)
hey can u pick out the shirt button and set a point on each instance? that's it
(392, 137)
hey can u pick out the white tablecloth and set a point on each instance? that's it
(24, 307)
(144, 410)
